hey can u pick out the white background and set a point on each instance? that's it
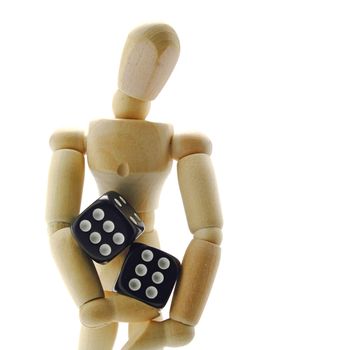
(269, 82)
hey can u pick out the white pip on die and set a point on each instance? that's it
(107, 227)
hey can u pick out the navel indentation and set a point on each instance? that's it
(123, 169)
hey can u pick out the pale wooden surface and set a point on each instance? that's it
(66, 177)
(149, 57)
(183, 145)
(141, 147)
(199, 192)
(199, 268)
(76, 268)
(210, 234)
(98, 338)
(126, 107)
(68, 139)
(115, 307)
(52, 227)
(156, 335)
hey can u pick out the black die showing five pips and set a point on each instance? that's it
(107, 227)
(148, 274)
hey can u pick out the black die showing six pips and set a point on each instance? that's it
(148, 274)
(107, 227)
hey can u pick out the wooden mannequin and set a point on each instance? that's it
(133, 157)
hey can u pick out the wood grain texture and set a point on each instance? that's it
(65, 185)
(149, 57)
(115, 308)
(198, 272)
(52, 227)
(68, 139)
(98, 338)
(137, 328)
(199, 192)
(76, 268)
(148, 219)
(157, 335)
(126, 107)
(210, 234)
(186, 144)
(131, 157)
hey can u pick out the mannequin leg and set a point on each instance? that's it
(98, 338)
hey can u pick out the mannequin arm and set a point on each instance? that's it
(201, 201)
(65, 184)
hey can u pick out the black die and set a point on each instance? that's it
(148, 274)
(107, 227)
